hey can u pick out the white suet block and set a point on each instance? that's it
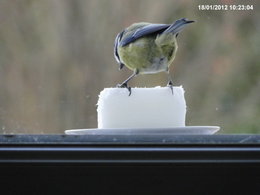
(145, 108)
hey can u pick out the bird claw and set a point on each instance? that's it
(124, 85)
(170, 85)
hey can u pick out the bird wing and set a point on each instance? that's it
(117, 40)
(143, 31)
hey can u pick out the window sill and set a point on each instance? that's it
(130, 149)
(197, 164)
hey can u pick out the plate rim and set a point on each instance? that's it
(121, 131)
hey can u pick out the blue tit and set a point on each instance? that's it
(147, 48)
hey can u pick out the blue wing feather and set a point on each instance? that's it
(117, 40)
(144, 31)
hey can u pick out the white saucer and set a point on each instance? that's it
(189, 130)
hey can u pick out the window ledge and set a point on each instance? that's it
(130, 149)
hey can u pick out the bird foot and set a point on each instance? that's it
(124, 85)
(170, 85)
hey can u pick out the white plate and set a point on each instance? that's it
(189, 130)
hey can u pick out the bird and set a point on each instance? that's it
(148, 48)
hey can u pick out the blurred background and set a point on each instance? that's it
(56, 56)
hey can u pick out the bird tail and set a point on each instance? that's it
(177, 26)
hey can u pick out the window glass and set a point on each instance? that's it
(56, 57)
